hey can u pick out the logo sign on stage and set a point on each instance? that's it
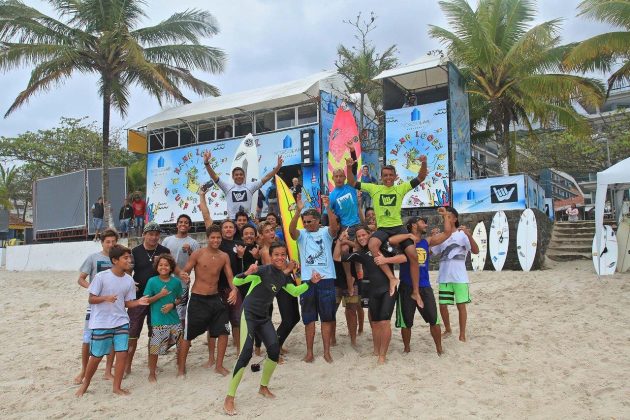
(504, 193)
(490, 194)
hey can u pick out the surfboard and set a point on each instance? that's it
(344, 128)
(527, 239)
(478, 261)
(246, 157)
(499, 240)
(623, 243)
(287, 206)
(607, 262)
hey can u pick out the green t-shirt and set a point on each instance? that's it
(153, 287)
(387, 202)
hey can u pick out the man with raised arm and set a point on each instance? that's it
(238, 194)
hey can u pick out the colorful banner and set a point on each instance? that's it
(414, 131)
(490, 194)
(174, 176)
(459, 122)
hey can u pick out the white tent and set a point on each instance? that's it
(616, 177)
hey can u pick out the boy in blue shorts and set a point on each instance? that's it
(164, 292)
(111, 292)
(453, 277)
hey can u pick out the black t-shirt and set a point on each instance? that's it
(98, 210)
(126, 212)
(378, 279)
(143, 265)
(229, 247)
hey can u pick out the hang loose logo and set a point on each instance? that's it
(504, 193)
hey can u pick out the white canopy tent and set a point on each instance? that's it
(616, 177)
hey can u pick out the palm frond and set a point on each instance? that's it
(189, 26)
(202, 57)
(615, 12)
(599, 52)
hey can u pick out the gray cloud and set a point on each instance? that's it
(267, 42)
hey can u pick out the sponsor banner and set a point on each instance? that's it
(414, 131)
(175, 176)
(490, 194)
(459, 122)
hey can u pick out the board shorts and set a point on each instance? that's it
(137, 315)
(103, 339)
(163, 338)
(383, 235)
(381, 305)
(206, 313)
(319, 302)
(234, 311)
(454, 293)
(406, 307)
(345, 299)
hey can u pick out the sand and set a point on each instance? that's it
(545, 344)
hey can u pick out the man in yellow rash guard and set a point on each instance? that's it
(266, 281)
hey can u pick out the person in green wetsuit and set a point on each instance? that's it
(266, 281)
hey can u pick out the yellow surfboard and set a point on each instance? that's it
(287, 206)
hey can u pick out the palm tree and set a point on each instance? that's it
(9, 187)
(605, 51)
(515, 68)
(102, 37)
(359, 65)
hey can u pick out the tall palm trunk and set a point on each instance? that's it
(107, 95)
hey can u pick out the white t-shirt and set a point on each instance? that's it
(106, 314)
(94, 264)
(238, 197)
(452, 254)
(316, 253)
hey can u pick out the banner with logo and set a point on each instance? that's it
(175, 176)
(414, 131)
(490, 194)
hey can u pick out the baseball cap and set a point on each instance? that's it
(151, 227)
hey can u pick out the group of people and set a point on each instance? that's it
(130, 216)
(244, 267)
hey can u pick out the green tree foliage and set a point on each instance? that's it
(515, 68)
(104, 38)
(605, 51)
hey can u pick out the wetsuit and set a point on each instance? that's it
(381, 304)
(255, 319)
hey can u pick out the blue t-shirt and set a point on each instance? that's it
(344, 203)
(422, 248)
(315, 253)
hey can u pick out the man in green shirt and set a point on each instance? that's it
(387, 202)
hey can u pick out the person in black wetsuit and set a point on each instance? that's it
(381, 303)
(266, 281)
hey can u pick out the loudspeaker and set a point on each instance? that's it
(307, 144)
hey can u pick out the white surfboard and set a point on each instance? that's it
(499, 240)
(607, 262)
(478, 261)
(246, 157)
(623, 243)
(527, 239)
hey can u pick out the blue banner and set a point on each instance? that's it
(414, 131)
(459, 123)
(490, 194)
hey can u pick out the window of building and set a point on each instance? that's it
(285, 118)
(224, 129)
(206, 132)
(171, 138)
(307, 114)
(186, 136)
(156, 141)
(242, 126)
(265, 122)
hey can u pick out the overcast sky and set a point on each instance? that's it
(267, 42)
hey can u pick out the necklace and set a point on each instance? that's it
(151, 255)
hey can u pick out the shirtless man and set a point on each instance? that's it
(206, 309)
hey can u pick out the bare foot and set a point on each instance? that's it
(407, 350)
(393, 284)
(228, 406)
(264, 391)
(80, 391)
(333, 341)
(308, 358)
(78, 379)
(181, 374)
(374, 353)
(328, 357)
(121, 391)
(257, 351)
(223, 371)
(281, 360)
(108, 376)
(439, 350)
(462, 338)
(360, 332)
(152, 377)
(284, 350)
(381, 360)
(209, 363)
(418, 299)
(446, 333)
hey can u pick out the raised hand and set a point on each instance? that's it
(299, 204)
(350, 145)
(343, 236)
(255, 251)
(350, 161)
(280, 162)
(423, 172)
(164, 292)
(464, 229)
(291, 266)
(206, 157)
(252, 269)
(240, 251)
(325, 201)
(442, 211)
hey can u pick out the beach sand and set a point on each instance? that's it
(545, 344)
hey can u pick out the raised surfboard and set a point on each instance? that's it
(287, 206)
(344, 128)
(527, 239)
(623, 243)
(246, 157)
(607, 262)
(499, 240)
(480, 235)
